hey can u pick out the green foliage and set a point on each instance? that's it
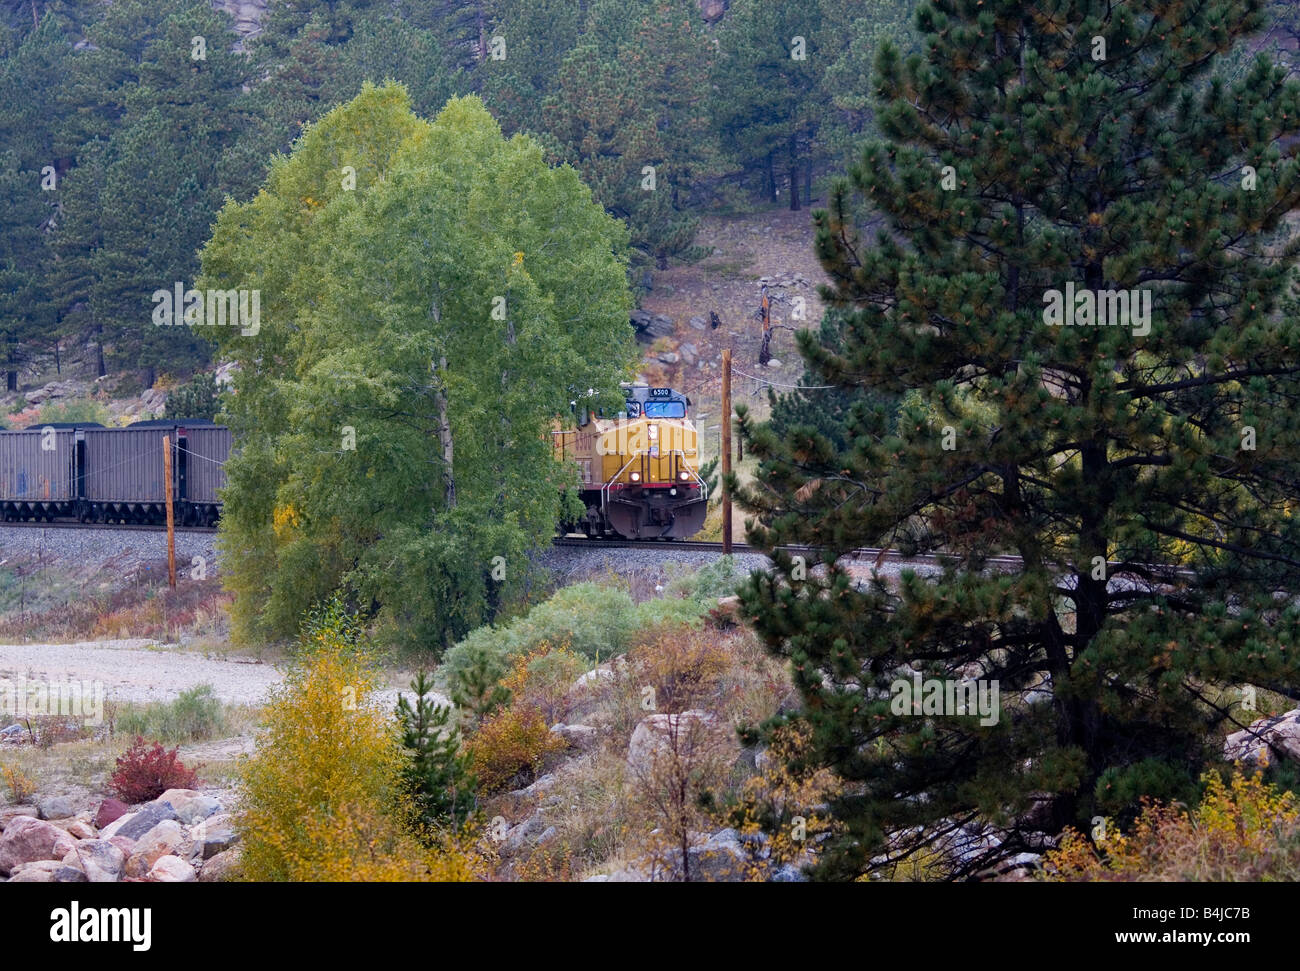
(438, 775)
(473, 669)
(196, 715)
(392, 288)
(197, 398)
(718, 578)
(627, 97)
(1154, 541)
(832, 416)
(77, 410)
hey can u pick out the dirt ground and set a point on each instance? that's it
(776, 244)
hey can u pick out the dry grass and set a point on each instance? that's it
(60, 604)
(602, 810)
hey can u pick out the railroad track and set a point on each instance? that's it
(131, 527)
(892, 556)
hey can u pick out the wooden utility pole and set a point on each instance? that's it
(726, 450)
(171, 519)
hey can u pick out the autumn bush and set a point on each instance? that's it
(144, 772)
(322, 798)
(1242, 830)
(787, 801)
(21, 788)
(596, 621)
(511, 747)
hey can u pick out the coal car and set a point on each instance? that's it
(92, 474)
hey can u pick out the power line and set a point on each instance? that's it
(778, 384)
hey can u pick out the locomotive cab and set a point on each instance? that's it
(640, 471)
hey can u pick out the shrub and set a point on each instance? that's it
(21, 788)
(1246, 830)
(197, 398)
(195, 716)
(144, 772)
(719, 578)
(323, 796)
(471, 670)
(510, 748)
(542, 678)
(593, 620)
(787, 800)
(81, 410)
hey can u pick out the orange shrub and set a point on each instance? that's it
(511, 746)
(1245, 830)
(542, 679)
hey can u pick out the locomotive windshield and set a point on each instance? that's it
(665, 409)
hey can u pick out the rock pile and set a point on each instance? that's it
(183, 836)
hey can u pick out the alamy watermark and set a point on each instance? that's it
(1098, 308)
(946, 696)
(70, 699)
(215, 308)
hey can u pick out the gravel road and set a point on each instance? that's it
(143, 670)
(138, 669)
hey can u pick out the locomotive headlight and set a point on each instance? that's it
(653, 432)
(635, 476)
(684, 475)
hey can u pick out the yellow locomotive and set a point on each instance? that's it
(638, 473)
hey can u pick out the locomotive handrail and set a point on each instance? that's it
(704, 486)
(604, 490)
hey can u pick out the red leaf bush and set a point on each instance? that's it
(144, 773)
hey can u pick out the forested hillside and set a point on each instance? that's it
(126, 125)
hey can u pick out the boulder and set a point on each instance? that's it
(719, 859)
(11, 731)
(172, 869)
(109, 811)
(1267, 739)
(655, 733)
(54, 807)
(189, 805)
(225, 374)
(76, 828)
(55, 389)
(525, 834)
(136, 824)
(669, 357)
(591, 680)
(689, 352)
(8, 813)
(100, 860)
(220, 868)
(27, 839)
(213, 835)
(789, 873)
(38, 871)
(699, 323)
(69, 874)
(153, 400)
(581, 737)
(168, 838)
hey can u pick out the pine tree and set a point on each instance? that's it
(629, 111)
(135, 216)
(767, 71)
(1146, 474)
(438, 775)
